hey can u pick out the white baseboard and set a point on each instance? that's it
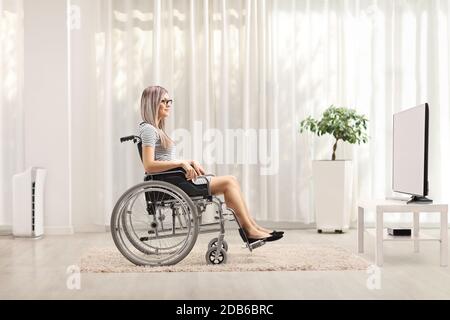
(91, 228)
(58, 230)
(286, 225)
(5, 230)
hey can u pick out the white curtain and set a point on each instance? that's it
(11, 83)
(263, 66)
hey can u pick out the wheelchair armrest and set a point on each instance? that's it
(207, 175)
(166, 173)
(177, 177)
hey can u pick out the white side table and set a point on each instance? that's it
(401, 207)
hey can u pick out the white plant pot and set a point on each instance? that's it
(332, 194)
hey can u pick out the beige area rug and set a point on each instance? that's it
(270, 257)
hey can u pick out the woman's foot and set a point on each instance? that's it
(274, 237)
(264, 229)
(271, 232)
(256, 234)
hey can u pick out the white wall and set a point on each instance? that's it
(46, 107)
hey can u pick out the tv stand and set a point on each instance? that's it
(401, 208)
(419, 199)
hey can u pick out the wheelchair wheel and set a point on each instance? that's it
(154, 224)
(215, 241)
(216, 257)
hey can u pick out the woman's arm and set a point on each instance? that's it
(154, 166)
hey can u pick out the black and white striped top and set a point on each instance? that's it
(150, 138)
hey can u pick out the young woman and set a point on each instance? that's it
(158, 154)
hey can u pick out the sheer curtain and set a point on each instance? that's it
(11, 82)
(263, 66)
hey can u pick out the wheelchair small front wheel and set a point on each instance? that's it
(214, 256)
(215, 241)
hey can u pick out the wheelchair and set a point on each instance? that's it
(157, 222)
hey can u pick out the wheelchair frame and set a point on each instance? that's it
(217, 247)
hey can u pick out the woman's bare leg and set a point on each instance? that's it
(229, 187)
(259, 227)
(252, 220)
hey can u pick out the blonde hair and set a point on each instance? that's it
(150, 101)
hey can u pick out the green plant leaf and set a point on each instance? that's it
(342, 123)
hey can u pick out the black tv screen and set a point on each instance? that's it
(410, 151)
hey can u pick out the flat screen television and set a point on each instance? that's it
(410, 153)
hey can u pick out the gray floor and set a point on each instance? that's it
(37, 269)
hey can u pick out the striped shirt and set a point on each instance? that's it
(150, 138)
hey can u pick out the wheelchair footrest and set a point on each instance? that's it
(257, 244)
(253, 245)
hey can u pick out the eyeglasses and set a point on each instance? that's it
(167, 102)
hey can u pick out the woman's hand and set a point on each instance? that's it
(198, 168)
(191, 173)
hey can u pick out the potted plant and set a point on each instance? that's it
(333, 178)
